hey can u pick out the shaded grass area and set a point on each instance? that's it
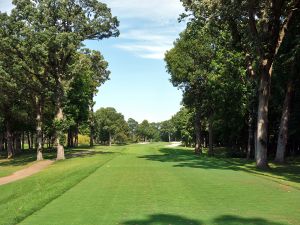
(160, 219)
(183, 157)
(22, 198)
(28, 157)
(25, 159)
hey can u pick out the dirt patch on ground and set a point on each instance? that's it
(29, 171)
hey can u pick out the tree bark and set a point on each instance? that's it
(1, 143)
(18, 145)
(92, 136)
(109, 139)
(92, 123)
(10, 143)
(39, 133)
(69, 137)
(283, 130)
(59, 146)
(210, 138)
(198, 146)
(28, 140)
(31, 140)
(250, 135)
(76, 136)
(262, 115)
(23, 140)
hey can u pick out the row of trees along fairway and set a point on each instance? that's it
(47, 78)
(224, 61)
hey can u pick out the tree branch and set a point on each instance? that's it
(253, 28)
(285, 25)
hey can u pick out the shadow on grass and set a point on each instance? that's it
(29, 156)
(186, 158)
(166, 219)
(236, 220)
(163, 219)
(84, 153)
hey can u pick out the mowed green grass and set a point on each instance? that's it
(153, 185)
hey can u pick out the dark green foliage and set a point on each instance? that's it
(110, 126)
(47, 81)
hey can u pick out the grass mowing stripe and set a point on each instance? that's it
(23, 198)
(75, 184)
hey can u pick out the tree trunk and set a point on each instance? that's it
(250, 135)
(70, 138)
(49, 142)
(262, 116)
(39, 133)
(5, 144)
(92, 123)
(23, 141)
(10, 143)
(18, 145)
(283, 130)
(210, 134)
(60, 148)
(28, 140)
(169, 136)
(1, 143)
(31, 140)
(91, 136)
(109, 139)
(76, 135)
(198, 146)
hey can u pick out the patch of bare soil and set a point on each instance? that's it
(29, 171)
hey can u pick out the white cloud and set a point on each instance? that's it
(145, 51)
(148, 9)
(148, 27)
(151, 43)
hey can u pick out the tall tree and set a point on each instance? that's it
(65, 24)
(133, 126)
(268, 22)
(289, 58)
(110, 125)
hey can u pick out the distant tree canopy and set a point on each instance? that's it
(110, 125)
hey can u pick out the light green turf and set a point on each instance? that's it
(153, 185)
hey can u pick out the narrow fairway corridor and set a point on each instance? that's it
(155, 185)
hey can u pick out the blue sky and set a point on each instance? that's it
(139, 86)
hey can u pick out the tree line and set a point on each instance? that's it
(47, 77)
(112, 128)
(224, 62)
